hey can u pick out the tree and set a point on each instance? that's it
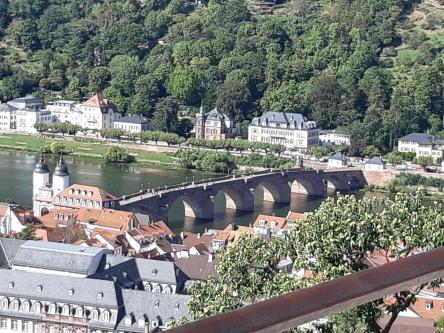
(184, 128)
(186, 84)
(372, 151)
(165, 116)
(23, 33)
(424, 160)
(339, 236)
(233, 98)
(27, 233)
(117, 154)
(98, 78)
(57, 147)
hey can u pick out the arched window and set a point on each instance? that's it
(26, 306)
(37, 307)
(157, 289)
(167, 290)
(94, 314)
(105, 316)
(5, 303)
(79, 311)
(148, 287)
(51, 329)
(65, 310)
(52, 308)
(15, 305)
(64, 329)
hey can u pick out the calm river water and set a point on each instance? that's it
(16, 182)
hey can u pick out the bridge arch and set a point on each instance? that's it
(337, 182)
(196, 207)
(237, 199)
(303, 185)
(275, 191)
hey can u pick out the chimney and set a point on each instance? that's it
(198, 235)
(210, 257)
(233, 226)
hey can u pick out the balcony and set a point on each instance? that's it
(64, 319)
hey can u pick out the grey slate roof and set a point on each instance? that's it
(198, 267)
(375, 160)
(57, 256)
(337, 156)
(56, 288)
(24, 102)
(7, 107)
(131, 271)
(8, 249)
(215, 114)
(132, 119)
(152, 306)
(284, 118)
(420, 138)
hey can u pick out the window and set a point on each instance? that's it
(14, 325)
(79, 312)
(4, 303)
(154, 323)
(52, 308)
(37, 307)
(429, 306)
(36, 327)
(105, 316)
(94, 314)
(148, 287)
(26, 306)
(4, 324)
(167, 290)
(64, 329)
(51, 329)
(15, 305)
(25, 326)
(157, 289)
(65, 311)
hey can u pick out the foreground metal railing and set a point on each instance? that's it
(291, 310)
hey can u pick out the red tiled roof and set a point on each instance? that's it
(267, 219)
(99, 101)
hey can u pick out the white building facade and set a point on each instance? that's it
(289, 129)
(7, 117)
(333, 138)
(422, 144)
(98, 112)
(132, 124)
(27, 118)
(65, 111)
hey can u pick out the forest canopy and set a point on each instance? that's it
(359, 65)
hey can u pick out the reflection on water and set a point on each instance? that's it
(299, 203)
(16, 182)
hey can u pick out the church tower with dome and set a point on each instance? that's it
(42, 191)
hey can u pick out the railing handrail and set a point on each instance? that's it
(293, 309)
(179, 186)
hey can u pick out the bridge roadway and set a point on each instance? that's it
(198, 196)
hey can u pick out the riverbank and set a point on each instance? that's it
(97, 150)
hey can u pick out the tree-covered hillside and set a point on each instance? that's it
(364, 65)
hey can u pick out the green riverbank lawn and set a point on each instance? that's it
(98, 150)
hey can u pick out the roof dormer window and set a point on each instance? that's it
(100, 296)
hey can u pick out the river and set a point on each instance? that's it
(16, 183)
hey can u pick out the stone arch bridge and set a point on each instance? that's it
(198, 196)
